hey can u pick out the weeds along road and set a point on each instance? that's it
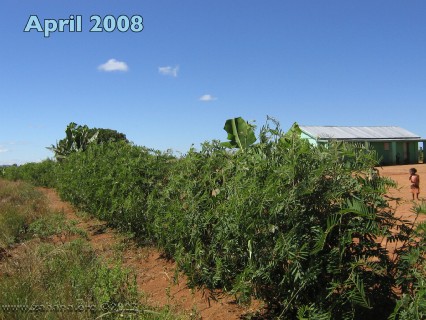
(157, 278)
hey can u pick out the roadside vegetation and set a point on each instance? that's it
(41, 278)
(272, 218)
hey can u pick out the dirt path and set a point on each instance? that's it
(155, 275)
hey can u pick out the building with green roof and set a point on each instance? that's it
(394, 145)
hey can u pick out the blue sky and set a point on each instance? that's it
(197, 63)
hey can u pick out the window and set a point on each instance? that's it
(386, 146)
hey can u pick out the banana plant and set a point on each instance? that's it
(240, 134)
(77, 139)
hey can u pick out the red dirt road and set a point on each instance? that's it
(155, 275)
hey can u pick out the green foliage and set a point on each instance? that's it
(69, 282)
(284, 221)
(54, 224)
(107, 135)
(58, 281)
(279, 222)
(296, 225)
(77, 139)
(20, 204)
(40, 173)
(309, 312)
(240, 133)
(112, 181)
(411, 274)
(12, 225)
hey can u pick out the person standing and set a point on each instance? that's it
(415, 183)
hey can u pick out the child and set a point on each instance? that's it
(415, 183)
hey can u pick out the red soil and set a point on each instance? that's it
(400, 175)
(155, 275)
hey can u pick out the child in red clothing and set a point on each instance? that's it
(415, 183)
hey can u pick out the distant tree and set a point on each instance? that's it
(79, 137)
(107, 135)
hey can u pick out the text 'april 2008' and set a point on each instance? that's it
(74, 23)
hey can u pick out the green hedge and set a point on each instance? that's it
(40, 173)
(275, 221)
(113, 181)
(283, 221)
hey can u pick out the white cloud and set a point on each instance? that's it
(169, 71)
(3, 149)
(113, 65)
(207, 97)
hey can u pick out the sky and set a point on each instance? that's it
(196, 64)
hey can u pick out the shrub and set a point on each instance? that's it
(284, 221)
(40, 173)
(112, 181)
(411, 273)
(293, 224)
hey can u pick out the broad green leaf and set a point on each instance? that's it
(240, 133)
